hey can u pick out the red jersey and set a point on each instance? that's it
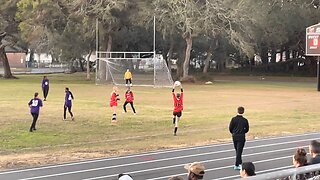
(129, 96)
(114, 99)
(178, 103)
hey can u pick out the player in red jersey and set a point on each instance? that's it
(178, 107)
(129, 99)
(114, 103)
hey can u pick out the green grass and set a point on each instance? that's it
(272, 108)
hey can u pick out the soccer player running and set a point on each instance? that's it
(178, 107)
(45, 87)
(35, 105)
(238, 127)
(68, 104)
(114, 103)
(129, 99)
(128, 77)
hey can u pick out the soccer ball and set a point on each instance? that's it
(177, 83)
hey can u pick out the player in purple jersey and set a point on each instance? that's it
(45, 87)
(68, 104)
(34, 105)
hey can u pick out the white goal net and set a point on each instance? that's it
(146, 69)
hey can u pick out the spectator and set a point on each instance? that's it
(299, 159)
(124, 177)
(176, 178)
(195, 170)
(238, 127)
(314, 150)
(247, 169)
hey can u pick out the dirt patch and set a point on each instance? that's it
(31, 159)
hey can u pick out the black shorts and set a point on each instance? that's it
(178, 114)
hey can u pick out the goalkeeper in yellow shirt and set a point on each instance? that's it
(128, 77)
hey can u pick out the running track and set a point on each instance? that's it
(268, 155)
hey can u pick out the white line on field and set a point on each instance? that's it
(151, 153)
(207, 170)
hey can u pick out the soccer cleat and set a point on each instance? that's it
(174, 134)
(44, 100)
(72, 118)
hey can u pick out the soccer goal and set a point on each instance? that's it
(147, 68)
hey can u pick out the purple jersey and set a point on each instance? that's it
(45, 83)
(35, 105)
(68, 99)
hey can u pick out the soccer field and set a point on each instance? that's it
(272, 108)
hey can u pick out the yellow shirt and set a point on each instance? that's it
(127, 75)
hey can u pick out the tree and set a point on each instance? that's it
(109, 13)
(186, 17)
(55, 28)
(8, 32)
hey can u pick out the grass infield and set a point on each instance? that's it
(274, 106)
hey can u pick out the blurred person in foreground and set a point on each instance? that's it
(247, 169)
(195, 170)
(124, 177)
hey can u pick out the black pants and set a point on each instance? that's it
(45, 92)
(125, 104)
(238, 146)
(128, 81)
(35, 118)
(65, 111)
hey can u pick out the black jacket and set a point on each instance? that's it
(238, 127)
(315, 160)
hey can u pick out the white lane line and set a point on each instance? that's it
(151, 153)
(258, 172)
(219, 168)
(206, 161)
(166, 159)
(172, 158)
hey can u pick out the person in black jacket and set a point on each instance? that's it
(314, 150)
(238, 127)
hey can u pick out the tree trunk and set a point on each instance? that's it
(187, 57)
(287, 53)
(180, 60)
(88, 65)
(103, 68)
(81, 64)
(273, 56)
(208, 58)
(138, 65)
(6, 67)
(170, 53)
(264, 55)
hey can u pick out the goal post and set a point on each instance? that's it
(147, 68)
